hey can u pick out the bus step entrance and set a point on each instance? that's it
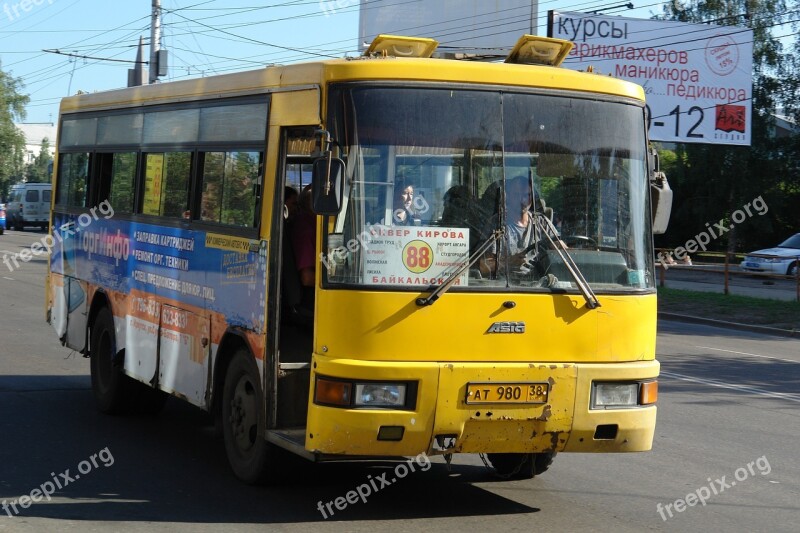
(292, 440)
(293, 385)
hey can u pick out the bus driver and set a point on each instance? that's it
(520, 231)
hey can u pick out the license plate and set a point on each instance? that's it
(753, 265)
(507, 392)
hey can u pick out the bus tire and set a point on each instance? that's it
(520, 465)
(249, 454)
(109, 384)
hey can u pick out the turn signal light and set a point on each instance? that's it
(329, 392)
(648, 393)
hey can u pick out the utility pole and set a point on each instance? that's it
(138, 73)
(155, 40)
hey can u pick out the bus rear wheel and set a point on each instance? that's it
(243, 420)
(109, 384)
(520, 465)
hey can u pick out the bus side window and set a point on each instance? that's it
(166, 184)
(231, 187)
(73, 179)
(102, 177)
(123, 180)
(115, 180)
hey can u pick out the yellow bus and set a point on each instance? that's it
(468, 268)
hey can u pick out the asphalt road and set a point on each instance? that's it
(710, 278)
(728, 400)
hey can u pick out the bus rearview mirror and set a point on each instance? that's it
(326, 184)
(661, 202)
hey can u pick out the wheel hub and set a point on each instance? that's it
(243, 418)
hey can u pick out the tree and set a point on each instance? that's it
(39, 170)
(12, 141)
(713, 181)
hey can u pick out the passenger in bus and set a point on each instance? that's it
(520, 231)
(457, 207)
(290, 198)
(404, 213)
(303, 235)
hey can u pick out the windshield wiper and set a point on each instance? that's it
(558, 245)
(444, 287)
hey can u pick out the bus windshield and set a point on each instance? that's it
(433, 173)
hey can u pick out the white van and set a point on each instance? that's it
(28, 205)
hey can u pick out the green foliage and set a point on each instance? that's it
(175, 185)
(713, 181)
(238, 200)
(732, 308)
(38, 171)
(230, 182)
(72, 186)
(12, 141)
(123, 177)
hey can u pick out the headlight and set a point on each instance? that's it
(615, 395)
(380, 395)
(352, 394)
(620, 395)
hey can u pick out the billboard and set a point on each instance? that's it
(461, 26)
(697, 77)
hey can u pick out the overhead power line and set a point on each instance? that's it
(79, 56)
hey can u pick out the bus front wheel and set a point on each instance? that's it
(249, 454)
(520, 465)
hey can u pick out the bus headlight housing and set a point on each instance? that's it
(336, 392)
(617, 395)
(380, 395)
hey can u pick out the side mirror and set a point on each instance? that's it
(660, 202)
(327, 180)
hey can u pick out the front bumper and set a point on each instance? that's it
(770, 268)
(442, 422)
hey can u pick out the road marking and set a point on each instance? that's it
(9, 279)
(745, 353)
(740, 388)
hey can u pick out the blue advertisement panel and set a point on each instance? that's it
(206, 271)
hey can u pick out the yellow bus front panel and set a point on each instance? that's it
(559, 328)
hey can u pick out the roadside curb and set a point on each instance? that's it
(730, 325)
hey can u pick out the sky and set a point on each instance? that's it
(203, 37)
